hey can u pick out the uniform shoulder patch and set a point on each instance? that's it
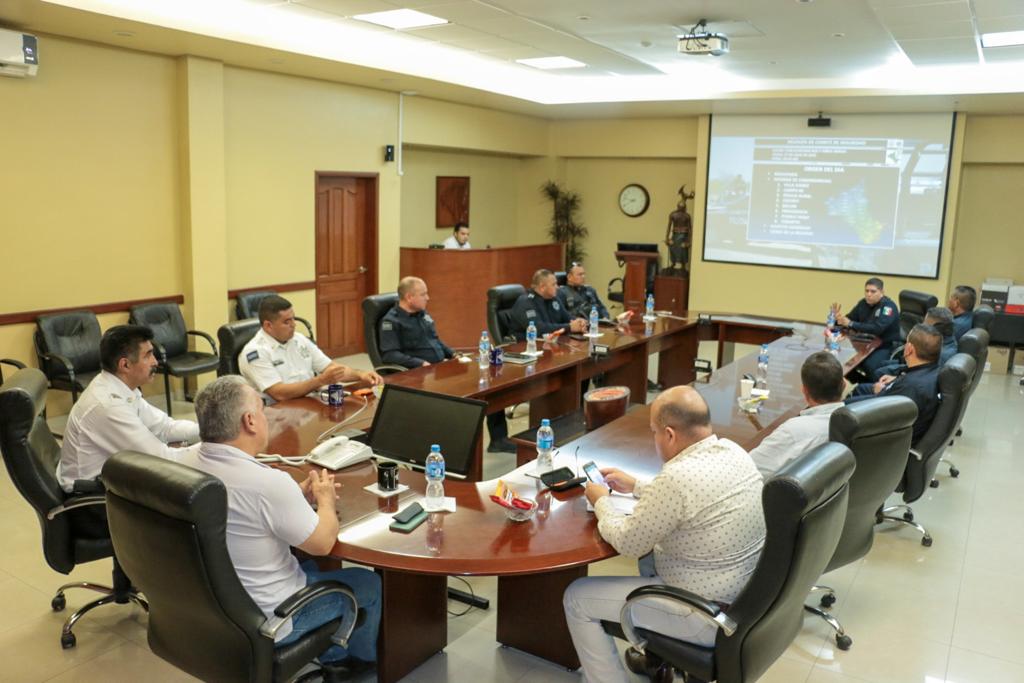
(887, 310)
(555, 305)
(531, 314)
(387, 326)
(252, 355)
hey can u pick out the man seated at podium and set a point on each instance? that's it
(578, 296)
(459, 239)
(542, 307)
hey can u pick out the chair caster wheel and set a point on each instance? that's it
(926, 541)
(67, 640)
(879, 518)
(954, 472)
(934, 483)
(828, 600)
(844, 642)
(908, 516)
(58, 603)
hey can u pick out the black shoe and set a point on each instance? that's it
(346, 668)
(502, 446)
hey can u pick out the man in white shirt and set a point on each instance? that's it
(459, 239)
(702, 517)
(269, 513)
(111, 416)
(282, 364)
(822, 382)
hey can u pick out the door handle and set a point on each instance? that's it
(362, 269)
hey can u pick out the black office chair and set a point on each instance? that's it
(619, 296)
(500, 300)
(17, 364)
(975, 344)
(170, 343)
(247, 305)
(68, 348)
(913, 307)
(804, 508)
(233, 337)
(375, 307)
(168, 523)
(954, 382)
(561, 278)
(878, 432)
(70, 538)
(983, 317)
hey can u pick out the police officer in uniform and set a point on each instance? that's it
(543, 307)
(579, 297)
(282, 365)
(408, 336)
(875, 314)
(961, 303)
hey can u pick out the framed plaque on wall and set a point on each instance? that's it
(452, 202)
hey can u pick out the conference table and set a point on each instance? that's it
(535, 560)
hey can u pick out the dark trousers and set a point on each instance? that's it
(497, 426)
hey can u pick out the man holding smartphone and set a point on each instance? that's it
(702, 518)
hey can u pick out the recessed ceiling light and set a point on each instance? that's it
(401, 19)
(838, 35)
(583, 17)
(551, 63)
(1002, 39)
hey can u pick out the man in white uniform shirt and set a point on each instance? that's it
(459, 239)
(284, 365)
(268, 513)
(822, 382)
(702, 517)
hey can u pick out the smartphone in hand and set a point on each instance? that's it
(594, 475)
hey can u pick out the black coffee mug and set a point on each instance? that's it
(387, 476)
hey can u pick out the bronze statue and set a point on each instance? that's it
(677, 236)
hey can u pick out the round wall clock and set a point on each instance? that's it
(634, 200)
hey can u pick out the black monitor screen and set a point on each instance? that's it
(408, 421)
(638, 246)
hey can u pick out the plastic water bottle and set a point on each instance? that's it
(593, 322)
(435, 478)
(762, 368)
(531, 338)
(485, 350)
(545, 444)
(649, 308)
(830, 322)
(833, 342)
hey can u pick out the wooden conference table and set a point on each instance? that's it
(535, 560)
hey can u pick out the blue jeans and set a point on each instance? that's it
(365, 585)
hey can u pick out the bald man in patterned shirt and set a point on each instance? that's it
(702, 518)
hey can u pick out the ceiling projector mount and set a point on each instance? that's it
(699, 41)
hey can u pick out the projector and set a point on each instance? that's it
(716, 44)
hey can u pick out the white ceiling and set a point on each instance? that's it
(778, 48)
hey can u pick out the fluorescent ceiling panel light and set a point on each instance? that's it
(401, 19)
(551, 63)
(1002, 39)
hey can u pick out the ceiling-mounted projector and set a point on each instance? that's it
(699, 41)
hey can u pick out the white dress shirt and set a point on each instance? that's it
(109, 418)
(264, 361)
(452, 243)
(793, 438)
(267, 515)
(702, 517)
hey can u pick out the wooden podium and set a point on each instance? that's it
(672, 293)
(634, 282)
(458, 280)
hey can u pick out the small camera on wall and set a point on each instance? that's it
(389, 152)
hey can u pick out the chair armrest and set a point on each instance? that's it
(917, 455)
(709, 610)
(160, 352)
(68, 367)
(205, 336)
(74, 504)
(305, 595)
(309, 328)
(12, 362)
(389, 369)
(613, 281)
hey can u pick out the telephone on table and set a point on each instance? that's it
(339, 452)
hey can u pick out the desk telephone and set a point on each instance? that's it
(339, 452)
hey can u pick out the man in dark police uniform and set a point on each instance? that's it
(543, 307)
(875, 314)
(579, 297)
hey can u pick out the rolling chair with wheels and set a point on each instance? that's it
(233, 337)
(619, 296)
(804, 508)
(954, 380)
(878, 433)
(168, 523)
(72, 531)
(975, 344)
(68, 348)
(913, 307)
(170, 341)
(375, 307)
(247, 305)
(561, 278)
(500, 300)
(983, 317)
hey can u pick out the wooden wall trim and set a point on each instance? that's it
(287, 287)
(98, 309)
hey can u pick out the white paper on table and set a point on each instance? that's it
(376, 490)
(621, 502)
(448, 505)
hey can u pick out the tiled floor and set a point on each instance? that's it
(952, 612)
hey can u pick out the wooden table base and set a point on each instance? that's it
(530, 615)
(413, 624)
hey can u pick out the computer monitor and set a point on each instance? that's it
(408, 421)
(638, 246)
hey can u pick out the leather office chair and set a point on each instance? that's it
(619, 296)
(170, 342)
(954, 383)
(878, 432)
(500, 300)
(68, 348)
(233, 337)
(913, 307)
(561, 278)
(375, 307)
(30, 454)
(247, 305)
(804, 508)
(18, 365)
(983, 317)
(168, 523)
(975, 344)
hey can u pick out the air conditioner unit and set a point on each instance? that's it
(19, 54)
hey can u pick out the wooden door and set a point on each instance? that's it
(346, 258)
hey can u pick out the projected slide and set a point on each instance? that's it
(866, 194)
